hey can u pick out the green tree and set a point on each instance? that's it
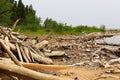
(5, 12)
(103, 28)
(21, 9)
(31, 17)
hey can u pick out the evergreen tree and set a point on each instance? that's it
(5, 12)
(21, 10)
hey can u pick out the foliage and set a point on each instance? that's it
(16, 11)
(5, 14)
(11, 10)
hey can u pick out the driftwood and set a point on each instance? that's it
(21, 71)
(26, 50)
(110, 44)
(19, 52)
(23, 53)
(39, 58)
(14, 25)
(46, 37)
(55, 53)
(45, 67)
(41, 44)
(23, 50)
(10, 53)
(114, 52)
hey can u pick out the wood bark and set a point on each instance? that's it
(45, 67)
(42, 59)
(42, 44)
(19, 52)
(29, 73)
(10, 53)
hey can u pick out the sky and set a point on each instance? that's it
(79, 12)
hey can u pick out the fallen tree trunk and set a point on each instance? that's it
(44, 67)
(28, 73)
(42, 59)
(41, 44)
(10, 53)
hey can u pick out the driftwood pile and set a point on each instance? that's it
(85, 51)
(19, 55)
(25, 52)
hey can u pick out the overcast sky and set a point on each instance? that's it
(77, 12)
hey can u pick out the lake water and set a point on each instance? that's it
(110, 40)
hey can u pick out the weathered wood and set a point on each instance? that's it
(33, 60)
(45, 67)
(36, 51)
(14, 38)
(13, 47)
(41, 44)
(41, 59)
(29, 73)
(112, 61)
(10, 53)
(110, 44)
(19, 52)
(7, 42)
(5, 34)
(27, 52)
(114, 52)
(55, 53)
(46, 37)
(23, 53)
(14, 25)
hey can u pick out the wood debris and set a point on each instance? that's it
(22, 50)
(73, 50)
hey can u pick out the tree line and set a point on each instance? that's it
(11, 10)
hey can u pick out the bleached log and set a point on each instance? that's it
(19, 52)
(41, 59)
(112, 61)
(14, 25)
(7, 42)
(9, 53)
(41, 44)
(45, 67)
(47, 50)
(14, 38)
(23, 54)
(12, 47)
(31, 56)
(14, 69)
(55, 53)
(36, 51)
(27, 52)
(15, 33)
(5, 34)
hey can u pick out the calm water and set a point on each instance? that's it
(113, 40)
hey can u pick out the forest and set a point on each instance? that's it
(11, 10)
